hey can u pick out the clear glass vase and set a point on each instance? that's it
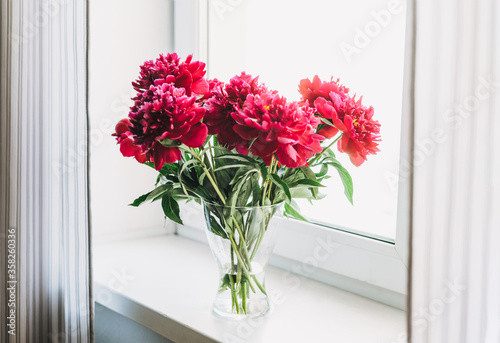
(241, 239)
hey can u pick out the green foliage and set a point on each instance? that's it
(343, 173)
(221, 176)
(171, 208)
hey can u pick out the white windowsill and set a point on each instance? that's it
(167, 284)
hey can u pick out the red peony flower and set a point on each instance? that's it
(224, 101)
(124, 138)
(162, 118)
(360, 132)
(278, 128)
(310, 91)
(169, 69)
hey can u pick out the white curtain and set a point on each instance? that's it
(455, 285)
(44, 211)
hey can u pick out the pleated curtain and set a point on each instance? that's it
(455, 288)
(44, 212)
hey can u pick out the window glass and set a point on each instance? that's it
(360, 42)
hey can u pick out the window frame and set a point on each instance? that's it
(363, 265)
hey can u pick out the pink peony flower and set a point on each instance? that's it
(275, 127)
(224, 101)
(310, 91)
(124, 138)
(169, 69)
(163, 118)
(360, 133)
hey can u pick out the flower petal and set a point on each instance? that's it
(328, 131)
(288, 156)
(128, 148)
(200, 86)
(263, 148)
(246, 132)
(122, 126)
(141, 158)
(357, 160)
(195, 137)
(162, 155)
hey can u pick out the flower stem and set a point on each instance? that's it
(243, 243)
(266, 183)
(212, 181)
(325, 149)
(274, 164)
(240, 259)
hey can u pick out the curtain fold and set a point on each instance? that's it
(456, 173)
(44, 212)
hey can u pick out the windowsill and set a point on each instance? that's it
(167, 284)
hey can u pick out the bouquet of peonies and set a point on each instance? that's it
(238, 145)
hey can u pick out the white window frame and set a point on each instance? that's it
(369, 267)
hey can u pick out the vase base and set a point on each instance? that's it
(255, 308)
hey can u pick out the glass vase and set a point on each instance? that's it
(241, 240)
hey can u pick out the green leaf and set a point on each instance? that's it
(167, 169)
(346, 180)
(327, 122)
(202, 177)
(140, 200)
(242, 172)
(223, 179)
(178, 193)
(291, 211)
(235, 198)
(239, 165)
(330, 153)
(256, 190)
(309, 183)
(309, 174)
(186, 177)
(215, 227)
(218, 150)
(263, 171)
(323, 172)
(281, 184)
(201, 191)
(187, 164)
(301, 192)
(171, 209)
(158, 191)
(238, 157)
(246, 191)
(225, 283)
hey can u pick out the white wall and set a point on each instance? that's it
(123, 34)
